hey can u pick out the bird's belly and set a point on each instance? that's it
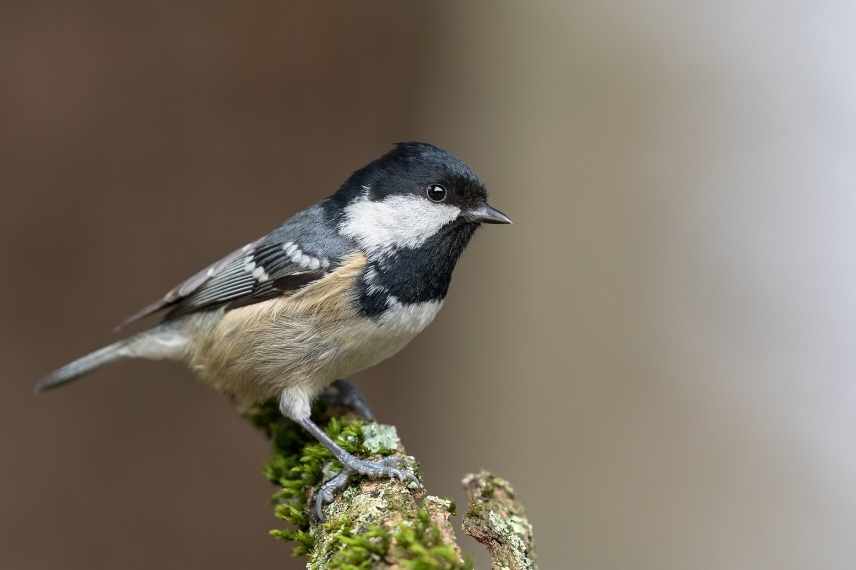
(363, 342)
(255, 357)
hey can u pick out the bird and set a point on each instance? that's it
(337, 288)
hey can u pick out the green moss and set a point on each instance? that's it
(424, 547)
(264, 416)
(353, 548)
(415, 544)
(304, 541)
(298, 464)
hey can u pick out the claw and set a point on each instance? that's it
(327, 492)
(388, 467)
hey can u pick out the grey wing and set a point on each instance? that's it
(300, 251)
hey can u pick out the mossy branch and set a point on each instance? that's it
(498, 520)
(371, 524)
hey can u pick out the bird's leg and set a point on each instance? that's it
(346, 394)
(386, 468)
(294, 404)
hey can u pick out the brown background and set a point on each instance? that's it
(659, 353)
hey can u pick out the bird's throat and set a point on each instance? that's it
(419, 275)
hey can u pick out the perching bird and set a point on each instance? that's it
(339, 287)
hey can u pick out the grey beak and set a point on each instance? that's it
(486, 214)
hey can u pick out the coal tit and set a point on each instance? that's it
(339, 287)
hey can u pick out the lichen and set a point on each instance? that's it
(511, 530)
(496, 519)
(378, 438)
(371, 524)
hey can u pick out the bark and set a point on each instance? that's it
(498, 520)
(378, 524)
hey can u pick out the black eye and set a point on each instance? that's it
(436, 193)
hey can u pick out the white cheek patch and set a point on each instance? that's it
(395, 222)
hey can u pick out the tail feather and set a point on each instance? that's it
(165, 341)
(83, 365)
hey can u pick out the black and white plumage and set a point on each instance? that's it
(294, 254)
(337, 288)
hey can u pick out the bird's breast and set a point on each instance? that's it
(309, 338)
(363, 341)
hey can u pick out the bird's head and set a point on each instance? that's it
(410, 195)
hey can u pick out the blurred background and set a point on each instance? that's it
(659, 354)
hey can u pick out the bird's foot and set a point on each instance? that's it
(386, 468)
(326, 493)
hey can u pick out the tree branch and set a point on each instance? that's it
(498, 520)
(370, 524)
